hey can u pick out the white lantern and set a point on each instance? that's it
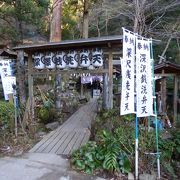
(97, 57)
(39, 61)
(48, 60)
(60, 59)
(73, 59)
(84, 58)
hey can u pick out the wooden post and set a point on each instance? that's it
(175, 99)
(110, 84)
(163, 93)
(82, 90)
(58, 81)
(30, 85)
(21, 76)
(11, 98)
(105, 87)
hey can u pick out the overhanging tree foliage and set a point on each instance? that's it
(150, 18)
(19, 18)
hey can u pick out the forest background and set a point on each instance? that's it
(29, 21)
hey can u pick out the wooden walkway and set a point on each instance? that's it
(71, 134)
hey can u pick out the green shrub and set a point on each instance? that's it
(104, 154)
(7, 113)
(46, 114)
(170, 148)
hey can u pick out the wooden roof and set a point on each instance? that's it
(7, 52)
(102, 42)
(168, 67)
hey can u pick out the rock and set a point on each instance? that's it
(52, 125)
(41, 134)
(99, 178)
(147, 177)
(130, 176)
(64, 178)
(18, 153)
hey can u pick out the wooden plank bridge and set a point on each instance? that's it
(72, 134)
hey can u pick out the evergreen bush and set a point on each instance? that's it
(7, 115)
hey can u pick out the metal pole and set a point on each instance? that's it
(15, 109)
(155, 112)
(136, 149)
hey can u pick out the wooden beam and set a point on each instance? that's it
(110, 84)
(117, 62)
(175, 99)
(118, 52)
(46, 72)
(165, 75)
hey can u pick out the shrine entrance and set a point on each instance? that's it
(93, 56)
(91, 62)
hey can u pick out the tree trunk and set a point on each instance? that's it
(55, 36)
(107, 20)
(85, 26)
(19, 25)
(98, 29)
(55, 32)
(139, 20)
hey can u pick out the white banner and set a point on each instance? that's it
(144, 78)
(8, 84)
(127, 67)
(5, 71)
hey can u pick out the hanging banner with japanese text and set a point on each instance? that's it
(127, 69)
(8, 84)
(144, 78)
(5, 71)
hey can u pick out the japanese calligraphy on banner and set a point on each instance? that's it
(5, 71)
(8, 84)
(144, 78)
(127, 67)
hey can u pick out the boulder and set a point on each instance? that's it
(147, 177)
(52, 125)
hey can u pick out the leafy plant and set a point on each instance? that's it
(169, 168)
(110, 149)
(46, 114)
(84, 158)
(124, 163)
(176, 139)
(105, 154)
(170, 152)
(170, 147)
(125, 135)
(128, 117)
(6, 115)
(167, 148)
(110, 162)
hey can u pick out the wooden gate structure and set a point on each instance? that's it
(164, 70)
(111, 46)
